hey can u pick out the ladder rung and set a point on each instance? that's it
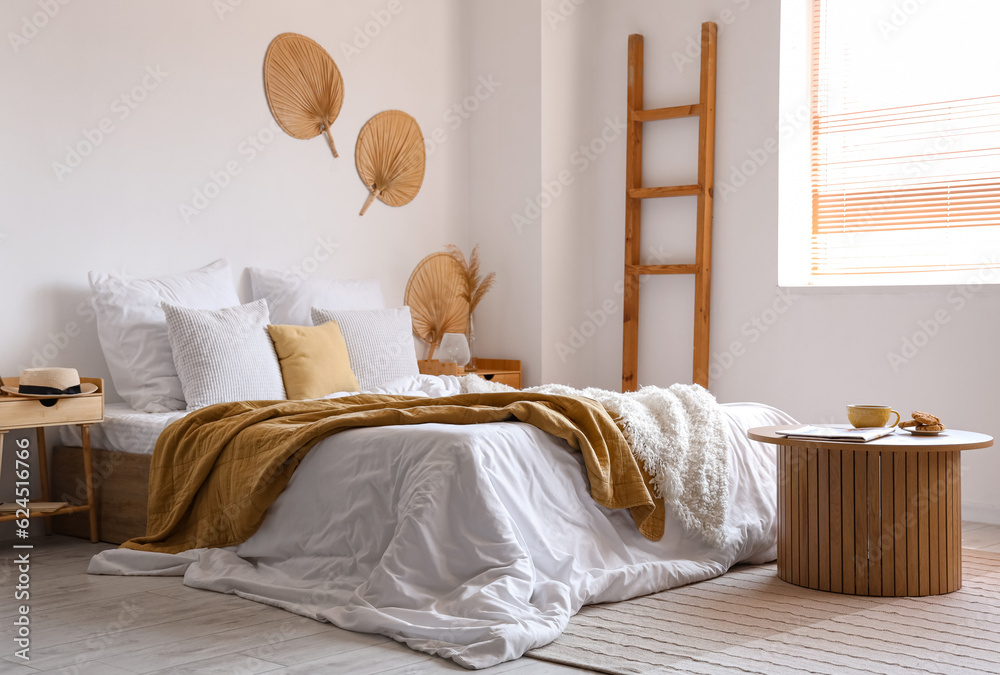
(654, 114)
(667, 191)
(661, 269)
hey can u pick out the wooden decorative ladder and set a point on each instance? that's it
(635, 193)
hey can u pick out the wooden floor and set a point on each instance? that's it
(83, 624)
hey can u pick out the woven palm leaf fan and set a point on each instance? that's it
(303, 85)
(390, 157)
(434, 296)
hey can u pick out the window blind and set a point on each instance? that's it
(905, 150)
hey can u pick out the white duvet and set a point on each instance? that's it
(475, 543)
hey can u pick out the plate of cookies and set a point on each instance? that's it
(923, 424)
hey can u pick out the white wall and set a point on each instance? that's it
(814, 350)
(504, 170)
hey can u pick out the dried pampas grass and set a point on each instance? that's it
(476, 286)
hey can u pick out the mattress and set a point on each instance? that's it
(123, 430)
(132, 431)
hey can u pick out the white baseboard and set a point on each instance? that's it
(978, 512)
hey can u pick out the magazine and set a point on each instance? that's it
(35, 507)
(837, 433)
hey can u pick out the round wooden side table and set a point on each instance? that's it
(876, 518)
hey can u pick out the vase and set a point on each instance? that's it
(470, 336)
(454, 349)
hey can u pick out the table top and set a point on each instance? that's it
(899, 441)
(20, 412)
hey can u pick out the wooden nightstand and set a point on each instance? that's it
(24, 413)
(504, 371)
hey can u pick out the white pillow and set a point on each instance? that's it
(224, 355)
(133, 332)
(379, 342)
(290, 297)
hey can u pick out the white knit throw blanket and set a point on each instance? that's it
(680, 437)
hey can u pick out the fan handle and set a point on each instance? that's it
(329, 139)
(372, 193)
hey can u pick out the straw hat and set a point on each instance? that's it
(49, 384)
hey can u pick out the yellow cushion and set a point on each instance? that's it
(313, 359)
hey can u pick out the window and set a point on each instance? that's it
(896, 177)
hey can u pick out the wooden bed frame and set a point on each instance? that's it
(121, 486)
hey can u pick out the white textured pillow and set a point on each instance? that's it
(224, 355)
(133, 332)
(379, 342)
(290, 297)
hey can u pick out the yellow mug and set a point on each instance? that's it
(871, 415)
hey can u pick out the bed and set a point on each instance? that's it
(474, 542)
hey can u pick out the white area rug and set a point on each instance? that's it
(749, 621)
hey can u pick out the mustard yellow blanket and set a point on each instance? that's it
(215, 472)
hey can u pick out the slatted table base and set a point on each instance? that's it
(870, 522)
